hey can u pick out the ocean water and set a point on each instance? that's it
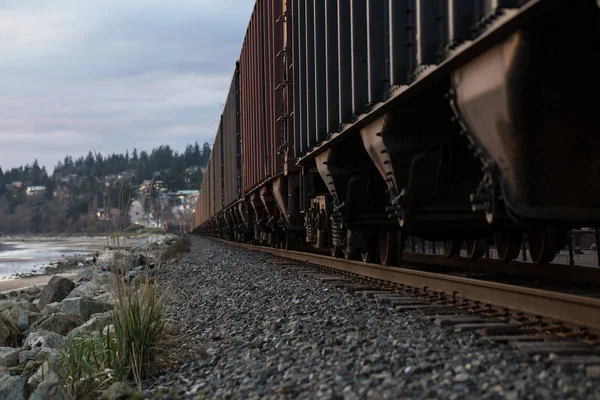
(30, 255)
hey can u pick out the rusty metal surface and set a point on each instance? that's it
(570, 309)
(231, 132)
(260, 105)
(217, 168)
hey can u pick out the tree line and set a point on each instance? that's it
(144, 165)
(78, 184)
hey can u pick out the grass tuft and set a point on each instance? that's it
(126, 352)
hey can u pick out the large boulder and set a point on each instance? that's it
(118, 391)
(56, 290)
(61, 323)
(85, 307)
(9, 356)
(89, 289)
(41, 346)
(84, 275)
(96, 323)
(43, 338)
(105, 279)
(12, 387)
(23, 319)
(9, 332)
(50, 389)
(22, 314)
(39, 375)
(52, 308)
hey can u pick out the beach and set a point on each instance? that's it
(32, 261)
(8, 285)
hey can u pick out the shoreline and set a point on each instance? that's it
(66, 267)
(10, 285)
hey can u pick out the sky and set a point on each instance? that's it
(111, 75)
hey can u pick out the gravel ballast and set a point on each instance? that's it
(256, 330)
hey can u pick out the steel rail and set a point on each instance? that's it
(559, 272)
(566, 308)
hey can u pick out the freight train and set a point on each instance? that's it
(351, 125)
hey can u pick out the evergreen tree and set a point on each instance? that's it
(176, 179)
(2, 183)
(205, 154)
(35, 175)
(195, 179)
(188, 156)
(197, 154)
(49, 184)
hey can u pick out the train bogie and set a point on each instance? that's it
(526, 105)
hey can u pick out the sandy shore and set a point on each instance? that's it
(9, 285)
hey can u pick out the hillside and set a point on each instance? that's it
(78, 193)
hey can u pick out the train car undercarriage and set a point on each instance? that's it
(503, 147)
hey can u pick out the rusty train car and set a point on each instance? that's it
(351, 125)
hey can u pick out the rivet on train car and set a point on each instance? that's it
(384, 151)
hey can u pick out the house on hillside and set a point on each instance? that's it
(187, 199)
(101, 213)
(31, 190)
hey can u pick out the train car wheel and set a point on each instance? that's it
(369, 254)
(476, 248)
(508, 245)
(544, 244)
(349, 253)
(345, 251)
(391, 248)
(288, 241)
(336, 251)
(452, 247)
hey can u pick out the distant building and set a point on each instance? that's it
(101, 213)
(35, 189)
(145, 186)
(187, 200)
(114, 178)
(17, 184)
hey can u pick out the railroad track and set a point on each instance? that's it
(549, 318)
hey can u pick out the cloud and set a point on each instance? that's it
(113, 75)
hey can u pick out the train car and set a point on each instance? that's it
(363, 122)
(460, 119)
(268, 162)
(221, 186)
